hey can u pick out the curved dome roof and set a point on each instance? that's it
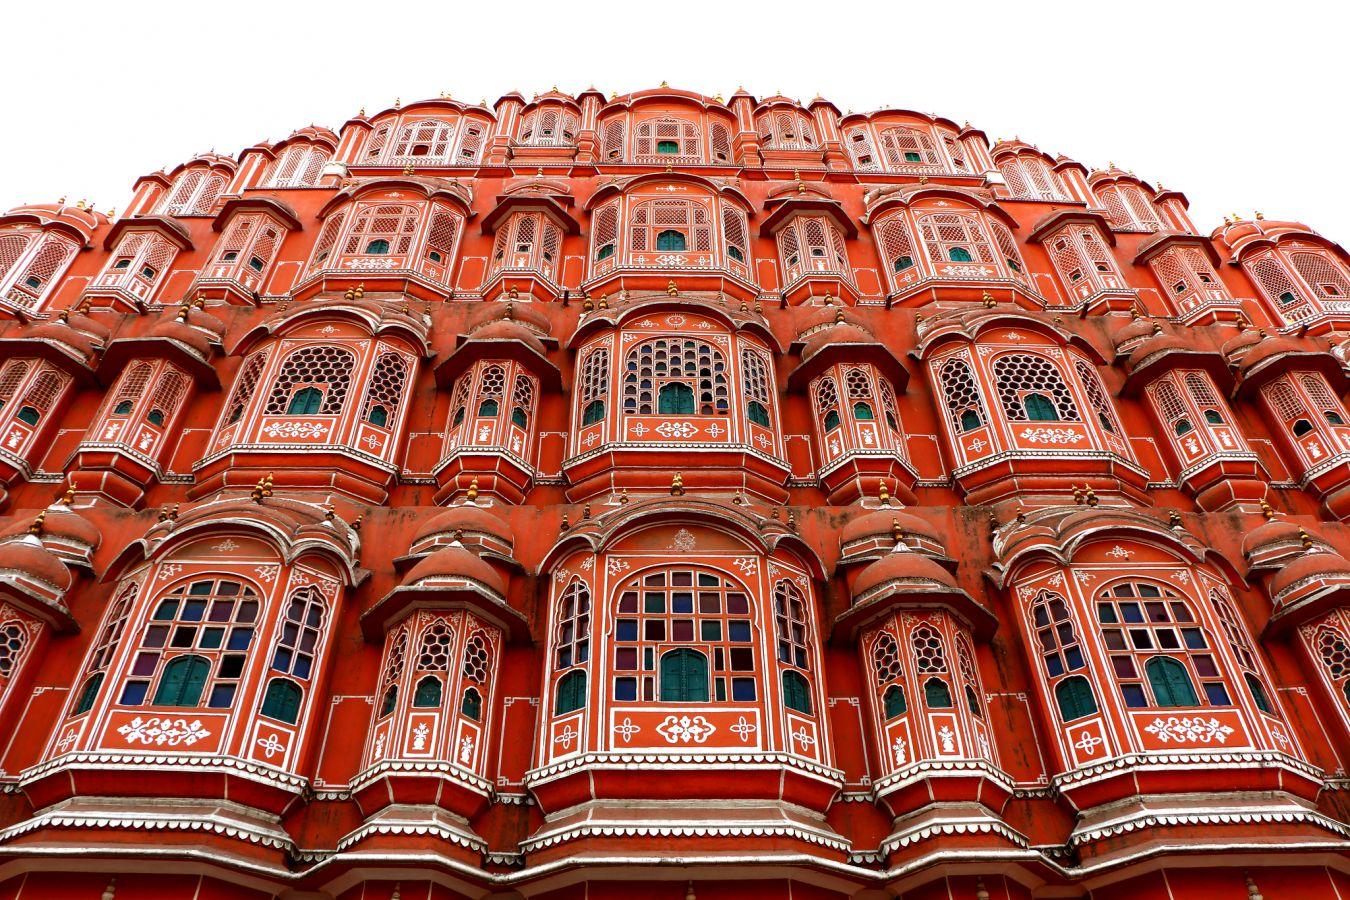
(455, 562)
(28, 559)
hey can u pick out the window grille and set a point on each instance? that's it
(1271, 276)
(1153, 636)
(611, 140)
(734, 233)
(428, 138)
(1333, 649)
(301, 631)
(194, 647)
(886, 659)
(13, 644)
(323, 247)
(955, 237)
(441, 236)
(11, 376)
(1286, 403)
(245, 385)
(572, 646)
(12, 248)
(1031, 178)
(1128, 208)
(827, 404)
(929, 656)
(1199, 388)
(652, 218)
(384, 395)
(789, 608)
(194, 193)
(1167, 400)
(961, 393)
(393, 224)
(699, 611)
(754, 376)
(1096, 395)
(652, 132)
(170, 390)
(393, 671)
(131, 387)
(605, 231)
(35, 276)
(323, 368)
(1019, 375)
(965, 663)
(1316, 388)
(109, 639)
(491, 390)
(896, 244)
(476, 658)
(378, 140)
(300, 165)
(956, 153)
(1056, 640)
(908, 149)
(720, 140)
(433, 651)
(522, 401)
(1326, 278)
(653, 366)
(470, 142)
(860, 148)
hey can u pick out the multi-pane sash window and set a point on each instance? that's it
(195, 646)
(675, 376)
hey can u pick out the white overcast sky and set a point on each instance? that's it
(1240, 105)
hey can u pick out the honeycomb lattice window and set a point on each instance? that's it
(961, 393)
(13, 641)
(955, 237)
(245, 385)
(859, 386)
(1287, 404)
(324, 369)
(678, 376)
(522, 400)
(433, 653)
(1327, 279)
(398, 655)
(886, 659)
(928, 653)
(896, 244)
(1334, 650)
(385, 392)
(1020, 375)
(670, 226)
(383, 229)
(476, 658)
(1096, 394)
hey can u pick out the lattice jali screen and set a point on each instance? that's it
(1019, 374)
(653, 364)
(327, 368)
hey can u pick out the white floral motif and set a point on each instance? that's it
(225, 546)
(898, 749)
(379, 746)
(163, 732)
(967, 271)
(677, 429)
(804, 737)
(1084, 577)
(1050, 435)
(677, 729)
(296, 429)
(1182, 575)
(743, 729)
(947, 738)
(1189, 729)
(1088, 742)
(976, 445)
(615, 566)
(270, 745)
(169, 571)
(626, 729)
(715, 430)
(465, 750)
(747, 564)
(683, 542)
(1120, 552)
(676, 320)
(420, 736)
(587, 564)
(566, 737)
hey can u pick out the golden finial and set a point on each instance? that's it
(923, 179)
(68, 497)
(539, 172)
(1134, 313)
(361, 112)
(259, 491)
(472, 494)
(586, 304)
(1173, 520)
(665, 84)
(987, 300)
(1090, 496)
(737, 499)
(510, 313)
(61, 200)
(163, 514)
(759, 308)
(457, 536)
(79, 204)
(980, 892)
(514, 294)
(897, 533)
(792, 520)
(677, 485)
(1078, 496)
(745, 307)
(623, 497)
(112, 213)
(398, 101)
(585, 510)
(1157, 328)
(1305, 539)
(350, 294)
(360, 290)
(839, 315)
(669, 168)
(614, 95)
(604, 301)
(408, 169)
(329, 513)
(1260, 216)
(356, 523)
(671, 289)
(564, 525)
(719, 99)
(1241, 322)
(1267, 510)
(1236, 217)
(1253, 892)
(884, 494)
(36, 527)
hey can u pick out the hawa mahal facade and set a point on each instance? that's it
(577, 497)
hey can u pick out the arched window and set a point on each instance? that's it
(955, 237)
(671, 226)
(755, 387)
(961, 393)
(109, 638)
(937, 694)
(314, 379)
(789, 609)
(381, 229)
(796, 692)
(572, 644)
(889, 670)
(1333, 650)
(930, 659)
(472, 704)
(427, 694)
(1150, 631)
(594, 385)
(909, 149)
(684, 606)
(670, 240)
(244, 386)
(1023, 376)
(896, 243)
(384, 393)
(301, 632)
(477, 658)
(299, 165)
(522, 401)
(675, 398)
(194, 193)
(282, 700)
(1055, 636)
(1096, 394)
(684, 676)
(893, 701)
(697, 366)
(734, 233)
(827, 404)
(393, 671)
(1323, 273)
(571, 692)
(211, 621)
(1240, 643)
(1074, 698)
(667, 137)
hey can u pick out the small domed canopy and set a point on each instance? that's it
(971, 322)
(845, 342)
(450, 578)
(1274, 542)
(36, 580)
(1235, 348)
(1307, 588)
(170, 229)
(903, 579)
(450, 189)
(270, 205)
(63, 531)
(1244, 236)
(73, 221)
(873, 534)
(1166, 348)
(1051, 222)
(500, 338)
(787, 207)
(527, 314)
(621, 310)
(375, 317)
(1166, 240)
(188, 339)
(71, 342)
(291, 527)
(477, 528)
(718, 187)
(879, 200)
(1278, 355)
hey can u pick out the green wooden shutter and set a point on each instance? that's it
(1074, 696)
(182, 682)
(796, 692)
(1171, 683)
(282, 700)
(895, 701)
